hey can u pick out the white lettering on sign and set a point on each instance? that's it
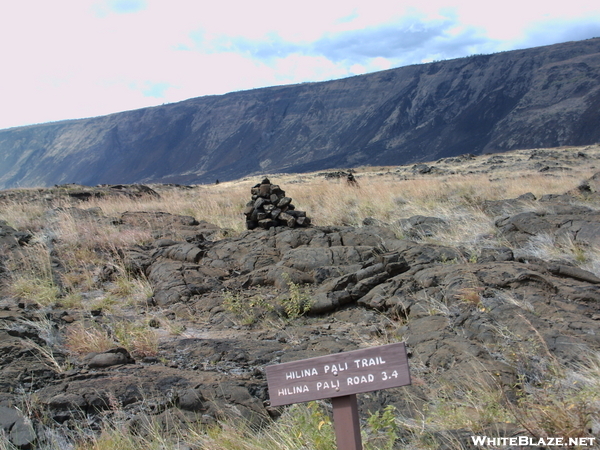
(301, 373)
(353, 381)
(368, 362)
(299, 389)
(334, 384)
(385, 376)
(337, 375)
(335, 368)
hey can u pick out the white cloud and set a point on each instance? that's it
(358, 69)
(295, 68)
(75, 58)
(380, 64)
(106, 7)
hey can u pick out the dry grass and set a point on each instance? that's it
(135, 336)
(219, 204)
(93, 234)
(24, 215)
(383, 195)
(548, 247)
(563, 402)
(302, 426)
(83, 339)
(31, 277)
(564, 405)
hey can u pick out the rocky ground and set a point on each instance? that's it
(226, 307)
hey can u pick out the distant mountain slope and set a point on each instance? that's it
(541, 97)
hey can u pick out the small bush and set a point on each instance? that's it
(248, 310)
(297, 302)
(138, 338)
(383, 429)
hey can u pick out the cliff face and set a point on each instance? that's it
(540, 97)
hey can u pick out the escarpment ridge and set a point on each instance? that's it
(539, 97)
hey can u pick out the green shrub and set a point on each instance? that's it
(297, 302)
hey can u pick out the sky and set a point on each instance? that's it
(69, 59)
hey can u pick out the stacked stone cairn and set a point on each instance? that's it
(270, 207)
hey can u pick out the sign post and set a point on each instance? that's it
(346, 422)
(340, 377)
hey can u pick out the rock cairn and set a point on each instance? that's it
(270, 207)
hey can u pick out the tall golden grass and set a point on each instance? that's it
(381, 194)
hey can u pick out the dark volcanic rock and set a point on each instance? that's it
(540, 97)
(560, 220)
(110, 358)
(17, 428)
(495, 313)
(421, 226)
(11, 238)
(269, 207)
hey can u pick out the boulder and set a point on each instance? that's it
(18, 428)
(109, 358)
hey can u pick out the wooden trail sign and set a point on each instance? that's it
(339, 374)
(340, 377)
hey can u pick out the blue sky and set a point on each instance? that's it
(67, 59)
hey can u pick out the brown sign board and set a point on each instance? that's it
(337, 375)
